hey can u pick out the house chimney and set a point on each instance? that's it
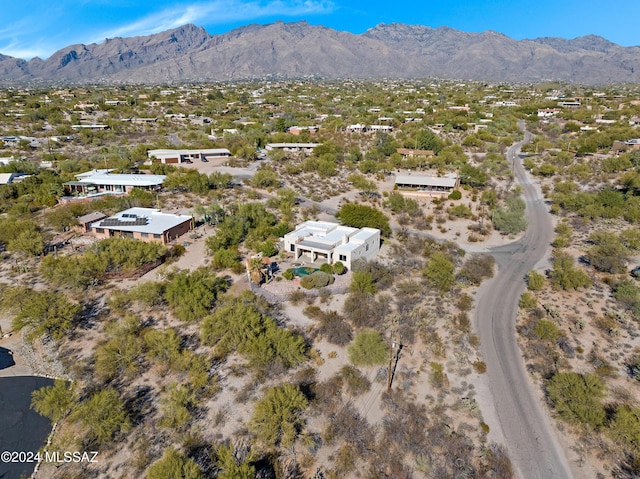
(345, 239)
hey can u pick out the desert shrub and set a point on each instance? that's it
(363, 310)
(339, 268)
(362, 282)
(625, 426)
(307, 282)
(627, 293)
(465, 302)
(511, 219)
(577, 398)
(225, 258)
(360, 216)
(240, 325)
(608, 253)
(455, 195)
(288, 274)
(546, 330)
(41, 312)
(355, 381)
(151, 293)
(633, 367)
(163, 346)
(103, 415)
(321, 279)
(565, 275)
(176, 405)
(438, 272)
(367, 349)
(535, 281)
(475, 269)
(438, 377)
(54, 402)
(326, 268)
(192, 294)
(480, 367)
(528, 300)
(174, 464)
(334, 328)
(277, 416)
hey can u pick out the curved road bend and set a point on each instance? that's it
(534, 450)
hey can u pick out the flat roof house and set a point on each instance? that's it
(293, 147)
(182, 156)
(332, 242)
(101, 182)
(427, 185)
(145, 224)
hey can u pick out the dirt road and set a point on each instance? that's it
(533, 447)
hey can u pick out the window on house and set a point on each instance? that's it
(293, 248)
(342, 257)
(367, 247)
(145, 235)
(156, 236)
(99, 230)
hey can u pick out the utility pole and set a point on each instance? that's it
(391, 348)
(390, 372)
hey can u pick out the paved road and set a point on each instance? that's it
(21, 428)
(533, 448)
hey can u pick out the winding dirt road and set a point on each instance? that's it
(534, 450)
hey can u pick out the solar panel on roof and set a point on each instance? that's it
(109, 222)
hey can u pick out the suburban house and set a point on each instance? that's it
(186, 156)
(410, 152)
(332, 242)
(292, 147)
(625, 145)
(8, 178)
(93, 126)
(548, 112)
(427, 185)
(101, 182)
(296, 130)
(86, 220)
(145, 224)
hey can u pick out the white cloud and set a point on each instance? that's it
(217, 12)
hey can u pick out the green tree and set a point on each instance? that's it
(54, 402)
(439, 272)
(42, 312)
(535, 281)
(608, 253)
(232, 468)
(277, 418)
(176, 404)
(564, 274)
(511, 219)
(174, 465)
(121, 353)
(577, 398)
(192, 294)
(239, 325)
(361, 216)
(368, 349)
(362, 282)
(625, 426)
(104, 415)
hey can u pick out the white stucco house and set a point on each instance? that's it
(332, 242)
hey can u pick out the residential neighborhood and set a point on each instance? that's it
(317, 278)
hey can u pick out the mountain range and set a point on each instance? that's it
(297, 50)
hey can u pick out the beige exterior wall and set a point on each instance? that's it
(164, 238)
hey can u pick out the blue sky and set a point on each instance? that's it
(40, 27)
